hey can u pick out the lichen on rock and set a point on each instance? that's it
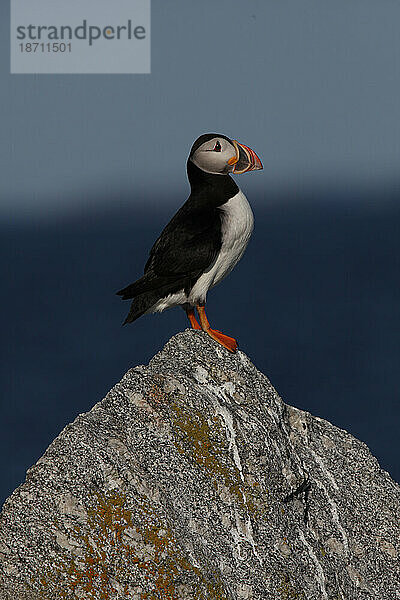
(193, 480)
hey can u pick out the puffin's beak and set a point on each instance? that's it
(245, 160)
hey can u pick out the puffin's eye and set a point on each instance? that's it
(217, 147)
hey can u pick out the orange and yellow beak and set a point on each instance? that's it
(244, 160)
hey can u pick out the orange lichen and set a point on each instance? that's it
(125, 551)
(156, 394)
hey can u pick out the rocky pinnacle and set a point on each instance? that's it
(193, 480)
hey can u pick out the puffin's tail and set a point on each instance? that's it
(141, 305)
(146, 292)
(143, 284)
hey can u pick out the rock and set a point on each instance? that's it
(193, 480)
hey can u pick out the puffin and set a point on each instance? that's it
(203, 241)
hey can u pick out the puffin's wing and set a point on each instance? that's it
(188, 244)
(186, 247)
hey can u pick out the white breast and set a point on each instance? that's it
(237, 224)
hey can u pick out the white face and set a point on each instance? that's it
(213, 156)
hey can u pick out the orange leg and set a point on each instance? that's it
(226, 341)
(191, 316)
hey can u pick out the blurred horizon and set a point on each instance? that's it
(91, 202)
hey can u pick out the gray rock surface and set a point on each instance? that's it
(193, 480)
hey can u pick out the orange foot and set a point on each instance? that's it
(226, 341)
(192, 318)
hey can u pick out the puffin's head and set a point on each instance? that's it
(219, 155)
